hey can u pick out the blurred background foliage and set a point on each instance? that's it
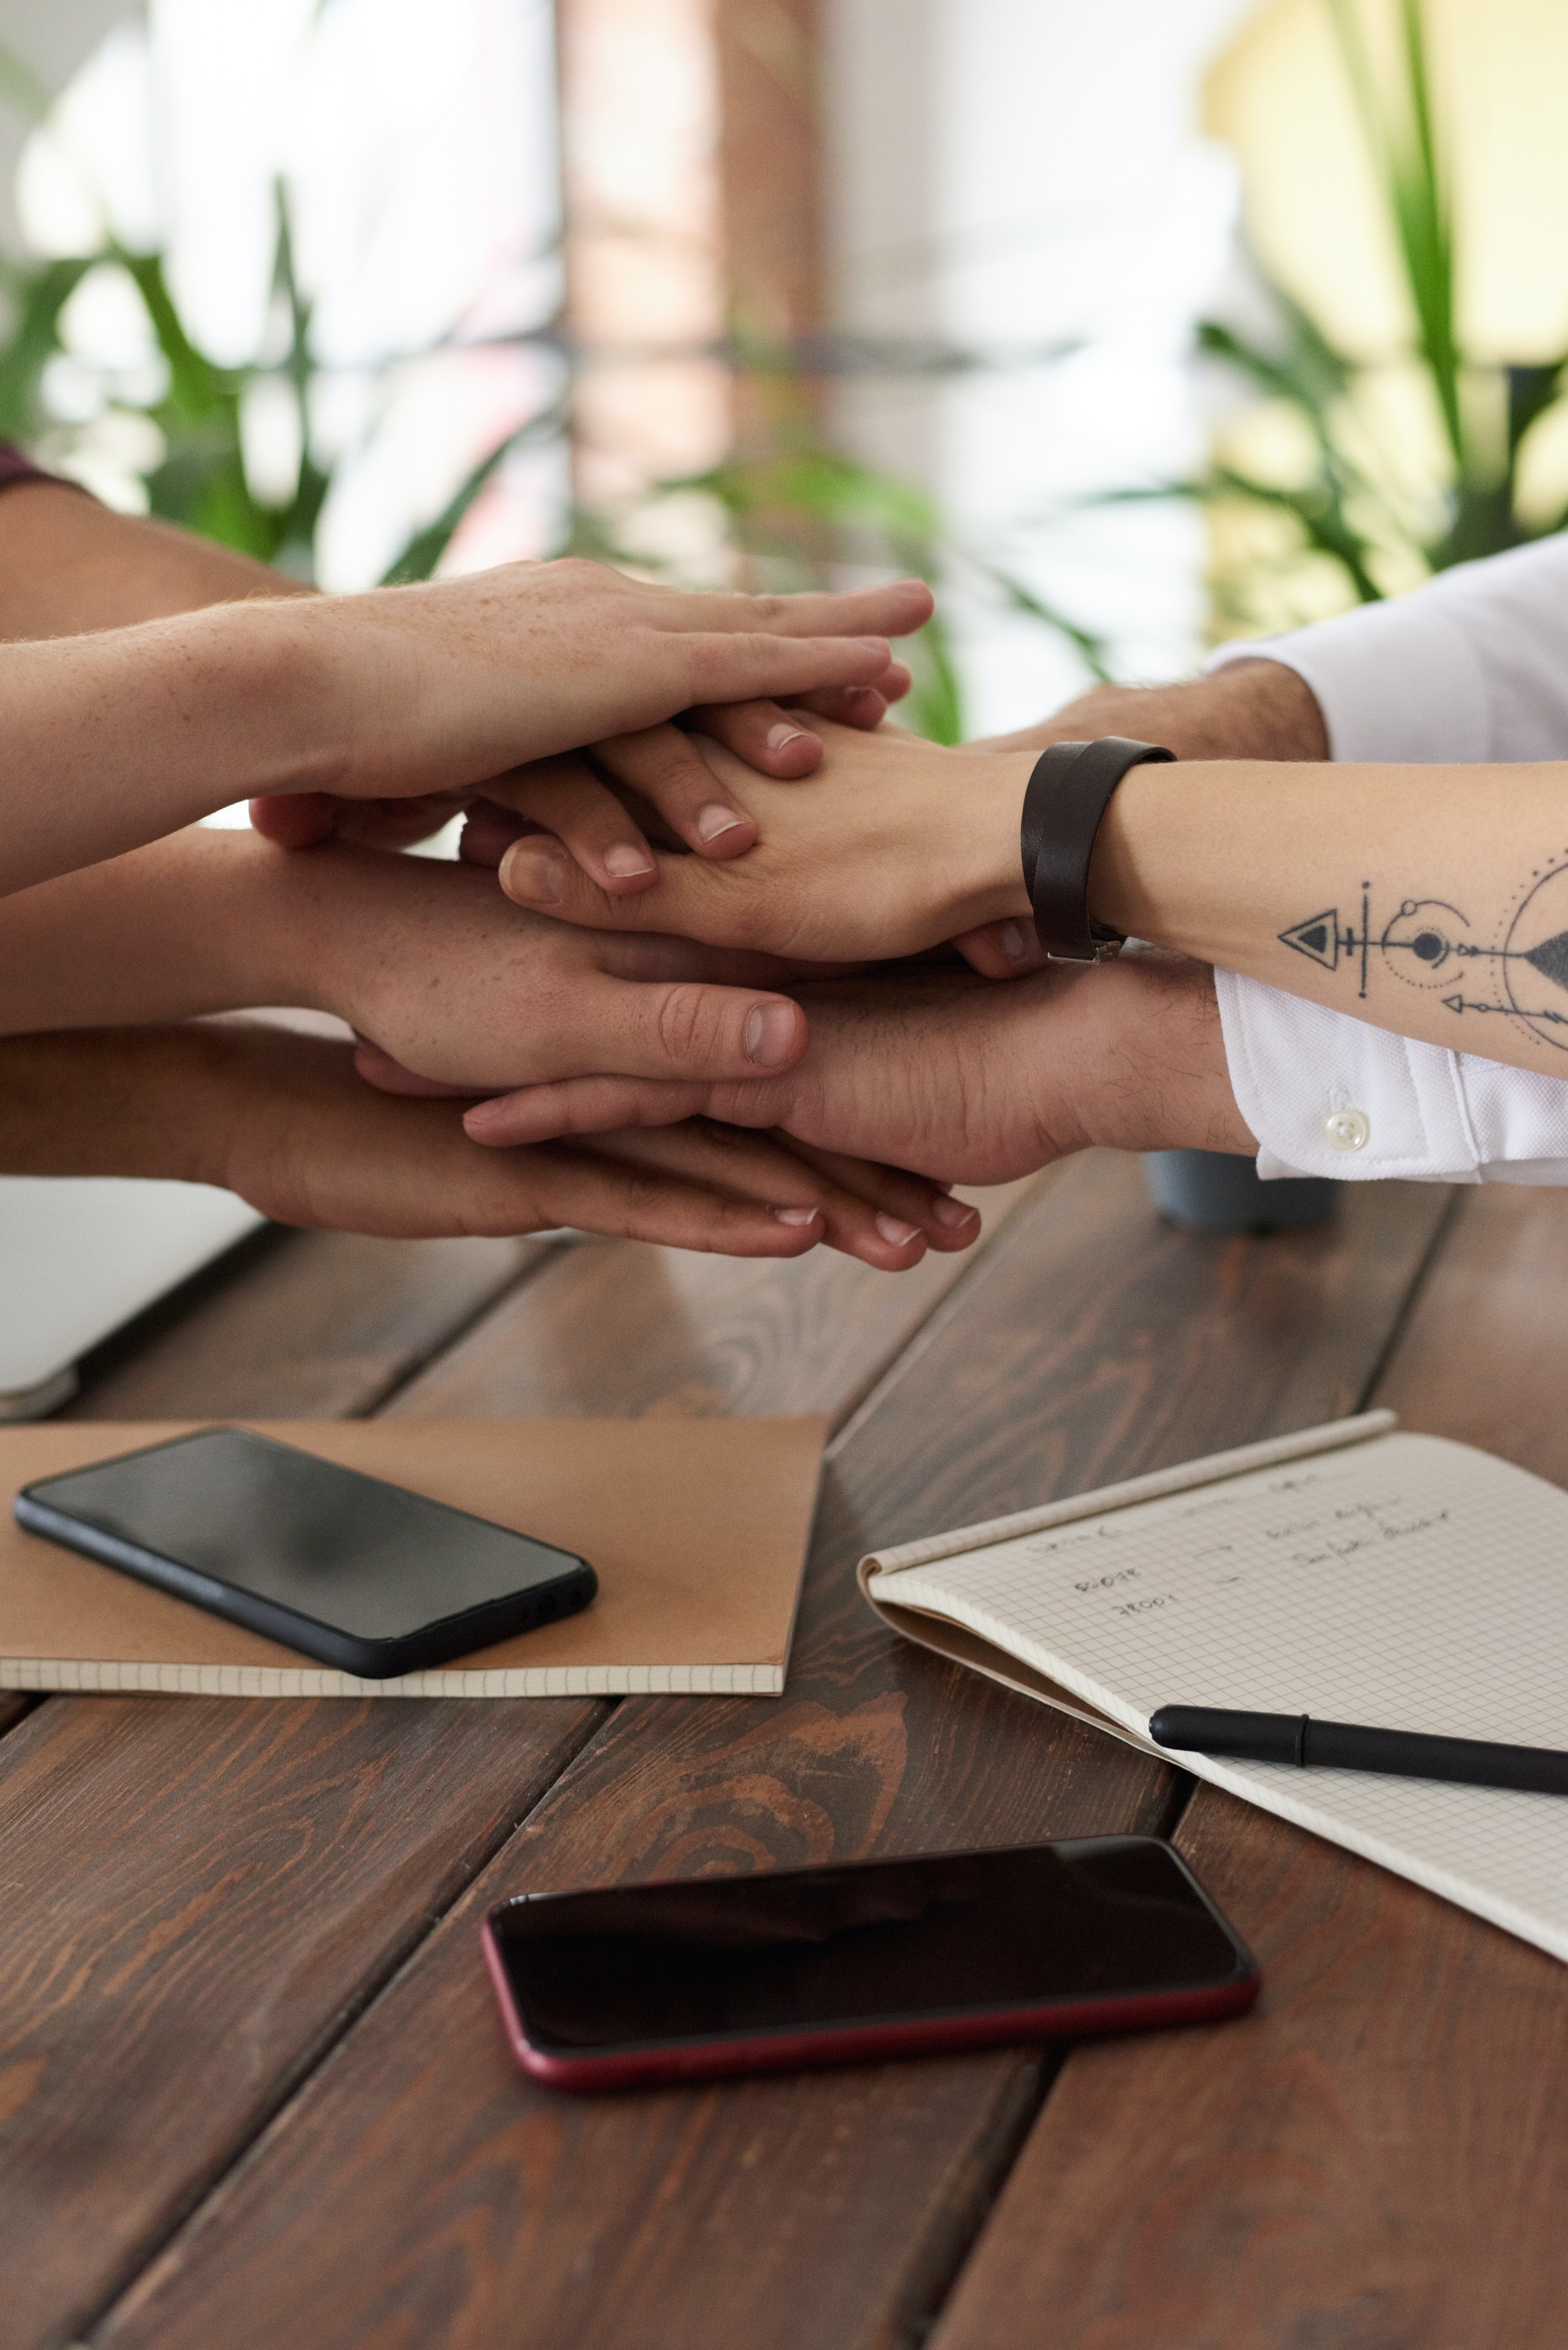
(1376, 472)
(1311, 467)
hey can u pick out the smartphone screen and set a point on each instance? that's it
(1116, 1924)
(351, 1570)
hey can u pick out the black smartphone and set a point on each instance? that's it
(347, 1569)
(892, 1957)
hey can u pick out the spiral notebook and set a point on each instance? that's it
(1356, 1571)
(697, 1529)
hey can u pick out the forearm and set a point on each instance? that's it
(1430, 900)
(1249, 709)
(123, 737)
(69, 566)
(158, 1103)
(204, 922)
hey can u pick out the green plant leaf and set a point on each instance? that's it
(419, 559)
(20, 88)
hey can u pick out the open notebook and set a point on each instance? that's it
(1353, 1572)
(697, 1528)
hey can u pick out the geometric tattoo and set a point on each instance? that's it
(1522, 974)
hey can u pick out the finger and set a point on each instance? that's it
(773, 741)
(536, 871)
(948, 1224)
(388, 1077)
(859, 705)
(593, 1192)
(395, 824)
(585, 818)
(746, 668)
(1002, 949)
(489, 832)
(778, 742)
(587, 1105)
(667, 770)
(301, 819)
(860, 1221)
(295, 819)
(577, 1106)
(896, 610)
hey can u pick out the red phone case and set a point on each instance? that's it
(856, 2044)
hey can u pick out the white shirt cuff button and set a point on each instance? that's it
(1347, 1129)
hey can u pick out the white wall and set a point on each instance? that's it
(1013, 173)
(54, 38)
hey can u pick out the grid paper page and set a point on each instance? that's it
(1409, 1583)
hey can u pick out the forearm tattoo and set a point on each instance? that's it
(1428, 943)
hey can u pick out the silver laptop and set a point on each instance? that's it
(81, 1254)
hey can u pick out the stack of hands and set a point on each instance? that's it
(720, 965)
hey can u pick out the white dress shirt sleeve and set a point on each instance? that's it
(1474, 667)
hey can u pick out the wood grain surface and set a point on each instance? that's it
(832, 2209)
(302, 1325)
(159, 1794)
(1378, 2159)
(609, 1332)
(197, 1893)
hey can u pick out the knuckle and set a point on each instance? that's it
(685, 1023)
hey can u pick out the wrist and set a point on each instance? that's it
(286, 696)
(1156, 1075)
(1253, 708)
(977, 864)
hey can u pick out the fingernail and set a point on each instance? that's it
(781, 737)
(1014, 941)
(892, 1229)
(624, 860)
(537, 875)
(952, 1212)
(485, 1117)
(795, 1215)
(874, 644)
(770, 1035)
(713, 821)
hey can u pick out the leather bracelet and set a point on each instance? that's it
(1067, 795)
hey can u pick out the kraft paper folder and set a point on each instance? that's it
(698, 1529)
(1356, 1571)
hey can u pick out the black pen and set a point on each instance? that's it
(1347, 1746)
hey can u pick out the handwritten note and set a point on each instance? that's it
(1407, 1582)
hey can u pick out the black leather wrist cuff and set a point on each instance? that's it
(1068, 794)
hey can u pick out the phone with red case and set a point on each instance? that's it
(605, 1990)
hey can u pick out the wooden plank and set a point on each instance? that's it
(300, 1326)
(159, 1797)
(198, 1892)
(619, 1331)
(226, 1880)
(1380, 2150)
(1376, 2158)
(1483, 1354)
(831, 2208)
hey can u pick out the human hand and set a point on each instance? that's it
(429, 962)
(284, 1120)
(729, 652)
(959, 1080)
(586, 815)
(891, 847)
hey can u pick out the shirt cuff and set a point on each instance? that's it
(1326, 1095)
(1394, 682)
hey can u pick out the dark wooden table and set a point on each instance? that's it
(252, 2088)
